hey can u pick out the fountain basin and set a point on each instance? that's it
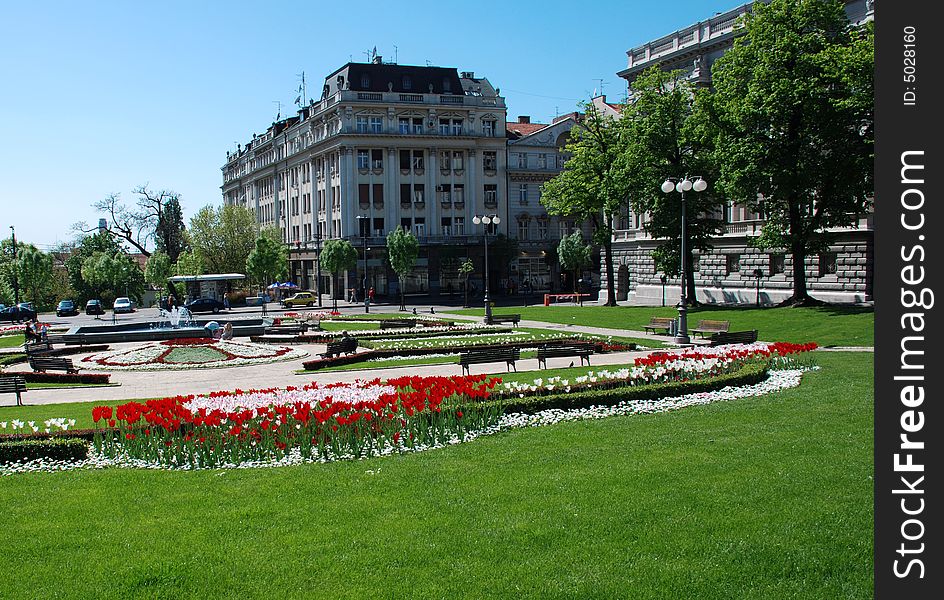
(155, 331)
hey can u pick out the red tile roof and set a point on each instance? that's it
(523, 128)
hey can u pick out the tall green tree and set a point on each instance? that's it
(337, 256)
(158, 269)
(268, 261)
(660, 140)
(791, 119)
(223, 237)
(592, 185)
(574, 255)
(112, 276)
(35, 272)
(402, 249)
(170, 233)
(466, 269)
(87, 246)
(189, 263)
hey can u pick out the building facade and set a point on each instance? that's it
(734, 271)
(386, 146)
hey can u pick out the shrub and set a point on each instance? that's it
(65, 449)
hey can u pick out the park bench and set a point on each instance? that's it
(494, 319)
(13, 385)
(582, 350)
(506, 355)
(659, 323)
(37, 348)
(396, 323)
(49, 363)
(286, 329)
(734, 337)
(550, 298)
(711, 327)
(345, 346)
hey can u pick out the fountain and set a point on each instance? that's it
(176, 323)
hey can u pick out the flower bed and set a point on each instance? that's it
(190, 353)
(320, 423)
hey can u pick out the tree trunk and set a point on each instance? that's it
(610, 283)
(690, 298)
(798, 250)
(402, 297)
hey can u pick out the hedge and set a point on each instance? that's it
(35, 377)
(747, 375)
(64, 449)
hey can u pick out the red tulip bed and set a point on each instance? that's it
(312, 422)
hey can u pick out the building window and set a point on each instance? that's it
(363, 159)
(419, 193)
(445, 193)
(418, 159)
(458, 160)
(489, 161)
(542, 161)
(776, 264)
(361, 124)
(407, 82)
(488, 127)
(458, 193)
(733, 263)
(457, 127)
(365, 81)
(542, 229)
(446, 223)
(458, 226)
(491, 195)
(406, 194)
(376, 124)
(443, 126)
(363, 194)
(524, 228)
(445, 162)
(522, 160)
(417, 126)
(563, 229)
(522, 193)
(419, 226)
(827, 263)
(404, 126)
(376, 160)
(364, 226)
(405, 160)
(378, 195)
(447, 84)
(378, 226)
(406, 223)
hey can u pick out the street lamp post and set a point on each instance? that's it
(486, 220)
(682, 186)
(365, 227)
(16, 282)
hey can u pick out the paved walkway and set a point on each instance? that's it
(151, 384)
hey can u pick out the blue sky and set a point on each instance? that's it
(100, 97)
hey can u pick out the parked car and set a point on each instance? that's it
(300, 299)
(94, 307)
(122, 305)
(204, 305)
(18, 313)
(67, 308)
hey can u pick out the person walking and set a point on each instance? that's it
(370, 295)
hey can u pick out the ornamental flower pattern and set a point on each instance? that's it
(157, 356)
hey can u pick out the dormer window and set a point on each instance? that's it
(365, 81)
(447, 85)
(407, 82)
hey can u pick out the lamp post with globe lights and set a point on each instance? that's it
(486, 220)
(684, 185)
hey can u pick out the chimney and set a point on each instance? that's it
(467, 74)
(524, 118)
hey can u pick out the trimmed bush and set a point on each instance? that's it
(33, 377)
(65, 449)
(12, 359)
(615, 393)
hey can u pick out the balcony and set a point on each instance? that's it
(401, 98)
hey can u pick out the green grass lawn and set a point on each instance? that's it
(825, 325)
(758, 498)
(12, 341)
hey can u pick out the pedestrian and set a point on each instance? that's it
(30, 334)
(226, 301)
(370, 295)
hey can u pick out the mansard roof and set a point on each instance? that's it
(383, 77)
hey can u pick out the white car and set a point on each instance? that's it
(123, 305)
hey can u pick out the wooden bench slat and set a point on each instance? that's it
(709, 326)
(508, 355)
(734, 337)
(582, 350)
(348, 346)
(659, 323)
(47, 363)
